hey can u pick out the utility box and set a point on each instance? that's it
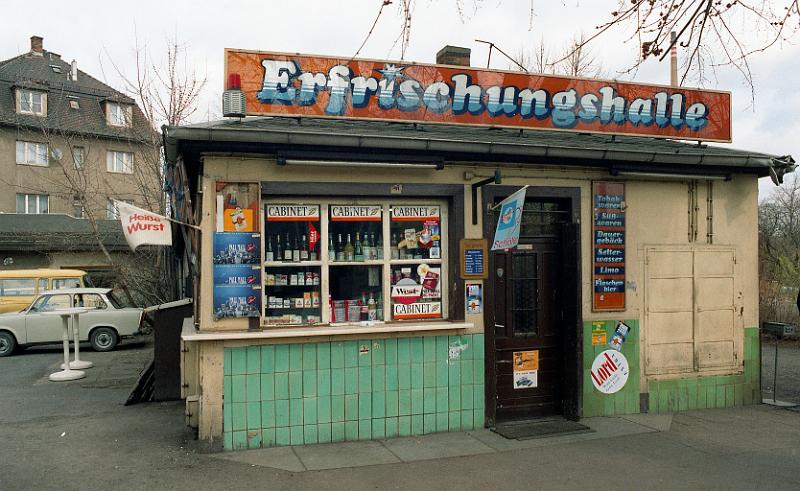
(779, 329)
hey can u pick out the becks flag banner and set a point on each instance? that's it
(506, 236)
(142, 227)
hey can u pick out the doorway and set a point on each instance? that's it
(532, 316)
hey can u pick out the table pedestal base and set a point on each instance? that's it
(66, 375)
(78, 365)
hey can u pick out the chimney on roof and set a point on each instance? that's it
(37, 44)
(73, 73)
(453, 55)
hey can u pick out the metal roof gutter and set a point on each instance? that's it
(745, 162)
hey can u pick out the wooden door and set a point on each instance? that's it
(527, 337)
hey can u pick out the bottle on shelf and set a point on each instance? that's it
(358, 249)
(378, 246)
(331, 248)
(296, 251)
(287, 250)
(278, 249)
(349, 250)
(270, 254)
(372, 308)
(395, 250)
(379, 308)
(304, 249)
(364, 307)
(339, 249)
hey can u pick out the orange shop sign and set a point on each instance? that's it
(280, 84)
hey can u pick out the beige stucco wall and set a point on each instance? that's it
(60, 180)
(657, 214)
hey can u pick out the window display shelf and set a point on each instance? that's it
(281, 264)
(278, 332)
(415, 261)
(374, 262)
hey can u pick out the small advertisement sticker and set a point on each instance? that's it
(609, 371)
(474, 298)
(526, 369)
(620, 334)
(599, 336)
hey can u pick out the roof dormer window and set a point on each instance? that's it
(119, 114)
(31, 102)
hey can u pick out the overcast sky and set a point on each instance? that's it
(97, 32)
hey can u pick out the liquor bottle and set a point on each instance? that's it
(278, 249)
(304, 249)
(349, 250)
(287, 250)
(331, 248)
(369, 247)
(364, 307)
(339, 249)
(393, 245)
(296, 251)
(358, 249)
(372, 308)
(270, 254)
(378, 246)
(379, 308)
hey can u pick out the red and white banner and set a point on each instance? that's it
(142, 227)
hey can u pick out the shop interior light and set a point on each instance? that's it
(355, 163)
(668, 175)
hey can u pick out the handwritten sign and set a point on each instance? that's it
(608, 246)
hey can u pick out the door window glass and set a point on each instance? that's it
(53, 302)
(525, 302)
(42, 284)
(90, 300)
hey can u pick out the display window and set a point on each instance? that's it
(350, 271)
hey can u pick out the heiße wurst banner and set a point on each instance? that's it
(280, 84)
(142, 227)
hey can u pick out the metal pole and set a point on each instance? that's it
(775, 373)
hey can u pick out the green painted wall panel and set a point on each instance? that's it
(299, 394)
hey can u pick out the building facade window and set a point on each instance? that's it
(31, 102)
(376, 261)
(78, 156)
(119, 114)
(33, 203)
(120, 162)
(32, 153)
(112, 212)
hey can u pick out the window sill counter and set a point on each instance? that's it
(191, 335)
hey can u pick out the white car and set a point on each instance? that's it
(103, 326)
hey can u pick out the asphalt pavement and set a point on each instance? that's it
(79, 436)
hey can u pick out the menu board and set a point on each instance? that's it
(473, 258)
(608, 246)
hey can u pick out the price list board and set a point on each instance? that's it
(608, 246)
(473, 258)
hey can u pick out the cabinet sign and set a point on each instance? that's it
(608, 243)
(292, 213)
(282, 84)
(424, 310)
(415, 213)
(355, 213)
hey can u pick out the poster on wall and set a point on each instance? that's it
(526, 369)
(609, 371)
(237, 274)
(608, 246)
(237, 207)
(237, 301)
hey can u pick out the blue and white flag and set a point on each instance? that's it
(506, 236)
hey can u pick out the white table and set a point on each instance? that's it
(70, 370)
